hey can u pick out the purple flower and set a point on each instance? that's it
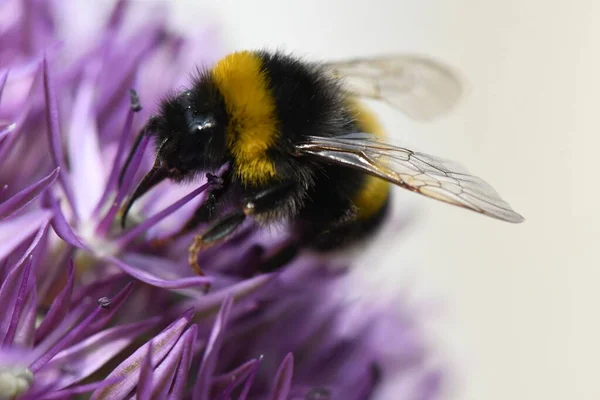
(90, 308)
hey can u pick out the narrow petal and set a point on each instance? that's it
(153, 220)
(209, 303)
(111, 307)
(134, 51)
(129, 369)
(33, 246)
(54, 136)
(183, 369)
(162, 267)
(153, 280)
(3, 78)
(209, 360)
(26, 196)
(250, 381)
(59, 307)
(7, 130)
(132, 169)
(70, 321)
(113, 177)
(108, 219)
(69, 393)
(85, 159)
(144, 385)
(97, 289)
(15, 231)
(231, 380)
(165, 372)
(86, 357)
(283, 379)
(77, 331)
(60, 225)
(18, 307)
(25, 333)
(117, 14)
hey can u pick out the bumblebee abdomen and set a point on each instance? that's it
(345, 205)
(372, 195)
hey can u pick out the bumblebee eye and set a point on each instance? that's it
(201, 124)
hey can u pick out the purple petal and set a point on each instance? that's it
(117, 14)
(85, 160)
(86, 357)
(7, 130)
(209, 360)
(283, 379)
(128, 369)
(26, 329)
(124, 240)
(26, 196)
(18, 307)
(249, 381)
(59, 307)
(54, 134)
(67, 324)
(15, 231)
(108, 219)
(431, 385)
(185, 362)
(116, 164)
(212, 301)
(69, 393)
(162, 267)
(150, 279)
(134, 51)
(77, 331)
(112, 306)
(3, 78)
(60, 225)
(132, 168)
(33, 246)
(23, 113)
(165, 372)
(98, 288)
(234, 378)
(144, 385)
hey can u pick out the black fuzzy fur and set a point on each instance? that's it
(308, 102)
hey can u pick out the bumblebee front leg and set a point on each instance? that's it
(204, 213)
(220, 230)
(260, 202)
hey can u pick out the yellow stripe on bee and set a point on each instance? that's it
(374, 193)
(252, 115)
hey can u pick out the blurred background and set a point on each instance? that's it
(512, 309)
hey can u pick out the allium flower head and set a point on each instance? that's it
(89, 308)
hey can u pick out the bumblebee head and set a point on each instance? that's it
(189, 133)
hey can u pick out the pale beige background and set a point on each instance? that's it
(519, 316)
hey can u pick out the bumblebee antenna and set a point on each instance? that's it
(135, 106)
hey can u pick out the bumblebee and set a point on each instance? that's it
(302, 148)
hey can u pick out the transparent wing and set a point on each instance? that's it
(428, 175)
(421, 87)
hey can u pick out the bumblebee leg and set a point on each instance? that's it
(225, 226)
(204, 213)
(221, 229)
